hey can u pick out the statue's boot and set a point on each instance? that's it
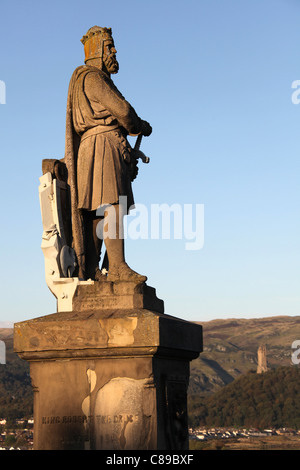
(124, 273)
(99, 276)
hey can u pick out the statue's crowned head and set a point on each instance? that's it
(99, 48)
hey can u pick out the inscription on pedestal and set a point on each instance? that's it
(63, 419)
(98, 419)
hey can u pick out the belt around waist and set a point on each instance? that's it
(98, 130)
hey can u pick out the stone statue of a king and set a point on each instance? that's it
(101, 163)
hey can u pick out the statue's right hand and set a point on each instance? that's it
(146, 128)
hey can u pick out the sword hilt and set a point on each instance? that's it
(139, 153)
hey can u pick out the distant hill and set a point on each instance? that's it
(267, 400)
(230, 349)
(16, 395)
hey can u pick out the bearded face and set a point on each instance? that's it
(109, 58)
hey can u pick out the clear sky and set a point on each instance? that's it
(214, 79)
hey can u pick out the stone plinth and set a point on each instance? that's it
(107, 378)
(116, 295)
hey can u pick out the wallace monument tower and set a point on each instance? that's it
(109, 369)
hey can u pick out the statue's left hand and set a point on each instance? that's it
(146, 129)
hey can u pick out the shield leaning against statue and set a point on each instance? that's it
(54, 194)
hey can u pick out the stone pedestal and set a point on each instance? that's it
(111, 378)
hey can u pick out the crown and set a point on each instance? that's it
(106, 33)
(93, 42)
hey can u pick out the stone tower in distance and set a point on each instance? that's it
(262, 365)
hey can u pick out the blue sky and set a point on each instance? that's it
(214, 79)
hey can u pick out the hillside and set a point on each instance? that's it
(16, 396)
(230, 349)
(267, 400)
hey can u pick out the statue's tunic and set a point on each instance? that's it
(102, 118)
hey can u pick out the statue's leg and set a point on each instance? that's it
(114, 242)
(93, 244)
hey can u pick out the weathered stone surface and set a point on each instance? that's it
(125, 406)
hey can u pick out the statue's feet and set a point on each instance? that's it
(125, 273)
